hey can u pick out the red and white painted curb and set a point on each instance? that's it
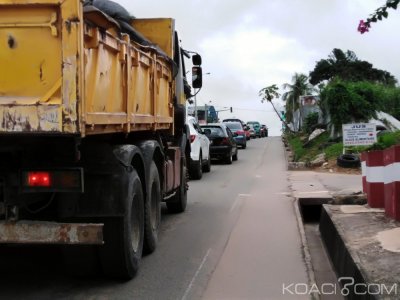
(381, 179)
(392, 182)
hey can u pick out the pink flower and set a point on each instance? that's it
(363, 27)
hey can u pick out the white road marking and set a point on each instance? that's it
(234, 204)
(316, 192)
(196, 275)
(237, 200)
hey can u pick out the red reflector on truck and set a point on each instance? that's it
(58, 180)
(39, 179)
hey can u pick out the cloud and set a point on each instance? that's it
(247, 45)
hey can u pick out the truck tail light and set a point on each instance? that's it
(39, 179)
(67, 180)
(192, 138)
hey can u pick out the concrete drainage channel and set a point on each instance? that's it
(324, 283)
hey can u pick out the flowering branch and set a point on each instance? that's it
(379, 14)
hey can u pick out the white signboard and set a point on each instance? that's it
(359, 134)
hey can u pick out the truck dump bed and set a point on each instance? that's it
(66, 69)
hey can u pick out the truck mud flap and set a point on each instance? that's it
(34, 232)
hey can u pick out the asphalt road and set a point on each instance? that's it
(237, 239)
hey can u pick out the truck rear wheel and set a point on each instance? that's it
(178, 203)
(123, 236)
(152, 210)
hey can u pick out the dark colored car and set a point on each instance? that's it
(264, 130)
(222, 143)
(238, 133)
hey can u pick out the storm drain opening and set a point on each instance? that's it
(320, 263)
(310, 208)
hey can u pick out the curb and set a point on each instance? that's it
(304, 248)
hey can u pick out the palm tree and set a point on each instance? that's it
(299, 87)
(268, 94)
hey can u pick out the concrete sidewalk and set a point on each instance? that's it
(362, 243)
(310, 184)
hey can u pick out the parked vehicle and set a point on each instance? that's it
(264, 130)
(251, 131)
(92, 130)
(256, 126)
(234, 120)
(247, 132)
(238, 133)
(223, 145)
(200, 150)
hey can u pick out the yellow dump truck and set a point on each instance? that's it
(92, 130)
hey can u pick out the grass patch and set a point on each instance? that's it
(296, 145)
(306, 151)
(334, 150)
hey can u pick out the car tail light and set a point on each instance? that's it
(39, 179)
(225, 141)
(192, 138)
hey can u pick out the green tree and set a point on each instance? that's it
(299, 87)
(348, 102)
(346, 66)
(268, 94)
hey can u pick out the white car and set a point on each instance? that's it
(200, 160)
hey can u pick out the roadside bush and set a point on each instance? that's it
(386, 140)
(310, 122)
(348, 102)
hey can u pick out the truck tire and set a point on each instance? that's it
(152, 210)
(178, 203)
(123, 236)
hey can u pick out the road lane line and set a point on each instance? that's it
(196, 275)
(236, 202)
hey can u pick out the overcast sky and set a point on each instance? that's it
(250, 44)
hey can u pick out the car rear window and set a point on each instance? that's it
(215, 131)
(234, 126)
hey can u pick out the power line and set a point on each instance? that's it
(249, 109)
